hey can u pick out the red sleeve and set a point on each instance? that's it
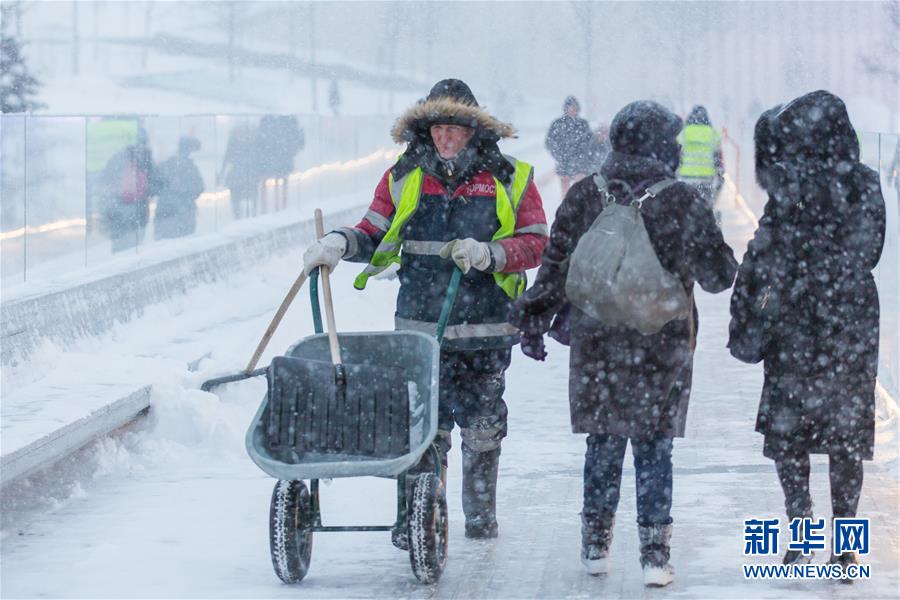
(381, 206)
(524, 249)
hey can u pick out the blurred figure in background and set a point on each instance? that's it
(599, 149)
(128, 181)
(278, 141)
(701, 156)
(568, 142)
(176, 206)
(240, 170)
(894, 175)
(334, 96)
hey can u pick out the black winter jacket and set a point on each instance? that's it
(569, 142)
(805, 301)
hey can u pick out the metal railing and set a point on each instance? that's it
(62, 209)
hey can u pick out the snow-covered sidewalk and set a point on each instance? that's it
(178, 510)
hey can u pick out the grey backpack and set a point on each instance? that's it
(614, 273)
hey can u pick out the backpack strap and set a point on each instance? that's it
(654, 190)
(651, 192)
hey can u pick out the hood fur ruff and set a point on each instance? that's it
(424, 113)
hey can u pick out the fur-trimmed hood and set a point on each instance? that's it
(416, 120)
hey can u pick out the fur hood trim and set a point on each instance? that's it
(423, 114)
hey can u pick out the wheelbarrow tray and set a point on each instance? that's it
(409, 355)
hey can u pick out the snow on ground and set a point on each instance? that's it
(177, 509)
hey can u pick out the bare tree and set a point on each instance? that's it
(148, 19)
(584, 18)
(75, 39)
(232, 34)
(313, 82)
(886, 64)
(392, 34)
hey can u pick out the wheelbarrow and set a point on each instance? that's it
(295, 438)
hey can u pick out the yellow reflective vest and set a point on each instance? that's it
(406, 192)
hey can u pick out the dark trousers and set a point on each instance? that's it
(845, 472)
(603, 478)
(471, 394)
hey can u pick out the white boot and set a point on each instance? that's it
(658, 576)
(596, 538)
(655, 555)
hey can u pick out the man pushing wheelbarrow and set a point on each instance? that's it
(453, 200)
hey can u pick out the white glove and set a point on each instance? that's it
(327, 252)
(468, 253)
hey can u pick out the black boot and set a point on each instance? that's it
(796, 557)
(400, 530)
(596, 538)
(655, 554)
(479, 494)
(844, 559)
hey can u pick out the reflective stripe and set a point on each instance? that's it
(379, 221)
(387, 246)
(539, 228)
(396, 188)
(468, 330)
(419, 247)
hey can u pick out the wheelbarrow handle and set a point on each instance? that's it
(449, 300)
(329, 304)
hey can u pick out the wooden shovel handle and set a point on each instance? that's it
(329, 305)
(276, 320)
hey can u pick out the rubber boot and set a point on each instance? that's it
(596, 538)
(655, 554)
(479, 493)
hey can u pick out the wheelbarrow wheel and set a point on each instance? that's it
(290, 542)
(428, 528)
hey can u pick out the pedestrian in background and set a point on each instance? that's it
(128, 181)
(569, 143)
(701, 156)
(176, 205)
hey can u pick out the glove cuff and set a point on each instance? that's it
(351, 246)
(498, 257)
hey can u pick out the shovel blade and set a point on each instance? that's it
(309, 412)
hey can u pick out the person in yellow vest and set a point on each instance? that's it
(453, 200)
(701, 156)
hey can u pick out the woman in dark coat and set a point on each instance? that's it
(805, 301)
(624, 385)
